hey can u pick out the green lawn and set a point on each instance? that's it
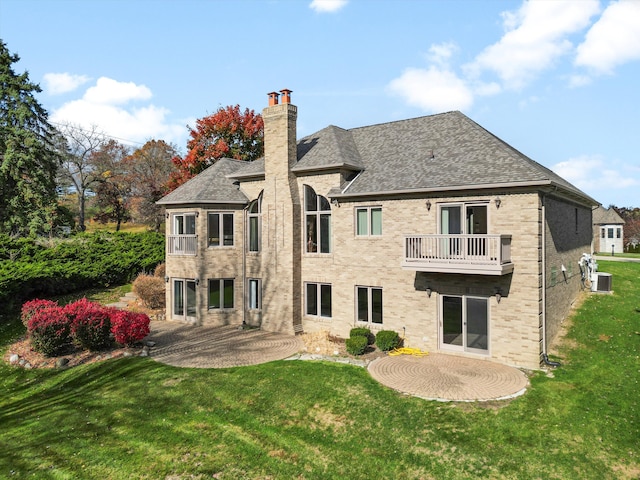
(134, 418)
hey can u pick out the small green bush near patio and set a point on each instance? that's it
(356, 345)
(363, 332)
(387, 340)
(137, 418)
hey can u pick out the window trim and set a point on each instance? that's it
(369, 215)
(221, 229)
(370, 313)
(258, 216)
(221, 284)
(319, 307)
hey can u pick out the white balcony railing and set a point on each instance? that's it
(479, 254)
(182, 244)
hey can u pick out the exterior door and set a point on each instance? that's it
(464, 324)
(184, 300)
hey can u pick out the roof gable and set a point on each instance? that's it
(606, 216)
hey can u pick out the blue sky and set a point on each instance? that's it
(558, 80)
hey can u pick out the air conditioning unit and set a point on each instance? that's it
(604, 282)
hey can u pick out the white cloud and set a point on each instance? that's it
(58, 83)
(613, 40)
(434, 89)
(106, 105)
(441, 53)
(109, 91)
(327, 6)
(535, 37)
(601, 178)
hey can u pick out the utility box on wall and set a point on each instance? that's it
(603, 282)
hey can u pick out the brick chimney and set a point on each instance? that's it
(282, 221)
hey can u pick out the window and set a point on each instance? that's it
(576, 218)
(184, 224)
(255, 294)
(464, 324)
(220, 229)
(184, 299)
(253, 217)
(602, 231)
(369, 304)
(369, 221)
(221, 293)
(318, 299)
(619, 233)
(317, 222)
(610, 232)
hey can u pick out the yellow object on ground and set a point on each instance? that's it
(416, 352)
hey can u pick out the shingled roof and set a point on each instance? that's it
(606, 216)
(210, 186)
(436, 153)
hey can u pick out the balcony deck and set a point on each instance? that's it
(182, 244)
(468, 254)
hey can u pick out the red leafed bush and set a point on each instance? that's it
(90, 324)
(129, 327)
(49, 330)
(32, 306)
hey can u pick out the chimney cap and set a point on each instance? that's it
(273, 98)
(286, 95)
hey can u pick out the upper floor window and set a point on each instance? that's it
(619, 233)
(254, 219)
(610, 232)
(369, 221)
(468, 218)
(220, 232)
(184, 224)
(317, 222)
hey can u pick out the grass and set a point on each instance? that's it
(135, 418)
(623, 254)
(111, 227)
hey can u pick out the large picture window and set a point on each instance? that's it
(221, 293)
(220, 229)
(369, 304)
(318, 299)
(368, 221)
(317, 222)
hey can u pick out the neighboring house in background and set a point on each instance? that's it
(608, 233)
(432, 227)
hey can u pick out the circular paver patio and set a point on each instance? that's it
(218, 347)
(449, 378)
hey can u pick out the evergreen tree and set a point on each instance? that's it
(28, 162)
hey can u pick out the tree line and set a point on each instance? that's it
(41, 165)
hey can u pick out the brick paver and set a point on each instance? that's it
(218, 347)
(447, 377)
(434, 377)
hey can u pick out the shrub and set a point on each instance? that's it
(90, 324)
(356, 345)
(387, 340)
(363, 332)
(129, 327)
(49, 331)
(150, 290)
(32, 306)
(160, 270)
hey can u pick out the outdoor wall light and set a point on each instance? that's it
(166, 279)
(166, 215)
(498, 294)
(197, 281)
(428, 204)
(498, 202)
(429, 292)
(335, 202)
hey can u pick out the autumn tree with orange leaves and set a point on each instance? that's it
(228, 133)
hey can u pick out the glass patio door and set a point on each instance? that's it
(464, 324)
(184, 300)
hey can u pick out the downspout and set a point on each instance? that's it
(244, 265)
(545, 358)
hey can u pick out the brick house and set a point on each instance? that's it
(608, 231)
(432, 227)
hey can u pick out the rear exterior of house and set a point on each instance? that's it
(608, 231)
(432, 227)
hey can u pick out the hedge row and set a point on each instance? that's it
(29, 270)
